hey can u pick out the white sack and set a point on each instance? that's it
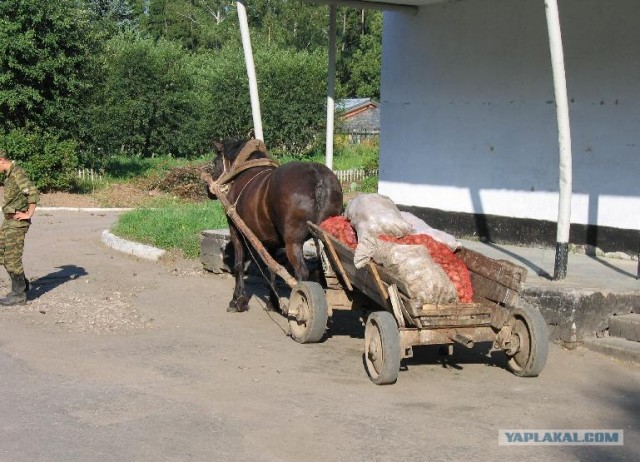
(374, 215)
(426, 281)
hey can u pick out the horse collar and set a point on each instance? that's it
(249, 148)
(240, 164)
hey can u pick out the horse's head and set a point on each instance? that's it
(229, 155)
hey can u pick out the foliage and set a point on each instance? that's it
(121, 167)
(293, 114)
(152, 78)
(144, 106)
(172, 226)
(46, 63)
(49, 161)
(369, 185)
(360, 51)
(196, 24)
(346, 156)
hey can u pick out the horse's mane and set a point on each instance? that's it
(233, 146)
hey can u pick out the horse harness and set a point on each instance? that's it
(241, 164)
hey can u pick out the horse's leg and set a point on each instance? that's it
(239, 301)
(296, 258)
(274, 301)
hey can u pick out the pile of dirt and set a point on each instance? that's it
(182, 183)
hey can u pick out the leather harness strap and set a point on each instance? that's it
(240, 164)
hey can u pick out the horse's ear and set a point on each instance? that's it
(218, 146)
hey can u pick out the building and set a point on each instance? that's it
(468, 104)
(359, 118)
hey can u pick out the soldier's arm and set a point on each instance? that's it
(27, 187)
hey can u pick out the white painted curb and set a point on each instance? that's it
(85, 209)
(132, 248)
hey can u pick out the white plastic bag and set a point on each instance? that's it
(420, 227)
(374, 215)
(424, 279)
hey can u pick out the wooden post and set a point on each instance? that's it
(251, 70)
(331, 85)
(564, 138)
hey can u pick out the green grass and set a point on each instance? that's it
(345, 156)
(172, 225)
(118, 168)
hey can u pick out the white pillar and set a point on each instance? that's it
(251, 70)
(331, 84)
(564, 138)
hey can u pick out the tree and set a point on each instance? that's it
(194, 23)
(361, 68)
(145, 104)
(360, 52)
(46, 59)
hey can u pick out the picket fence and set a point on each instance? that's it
(90, 174)
(345, 176)
(354, 174)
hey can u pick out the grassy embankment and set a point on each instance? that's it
(176, 224)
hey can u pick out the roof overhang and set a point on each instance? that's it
(402, 6)
(381, 4)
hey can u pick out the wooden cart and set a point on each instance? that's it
(395, 323)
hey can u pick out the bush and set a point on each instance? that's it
(50, 162)
(292, 90)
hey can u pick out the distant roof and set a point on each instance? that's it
(350, 104)
(358, 115)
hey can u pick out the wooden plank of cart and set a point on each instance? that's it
(396, 323)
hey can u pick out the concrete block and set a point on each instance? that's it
(216, 251)
(618, 348)
(588, 309)
(626, 326)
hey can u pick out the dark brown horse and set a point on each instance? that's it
(275, 202)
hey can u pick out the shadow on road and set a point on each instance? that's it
(44, 284)
(436, 354)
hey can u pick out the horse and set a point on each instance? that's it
(275, 202)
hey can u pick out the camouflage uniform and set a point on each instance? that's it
(19, 192)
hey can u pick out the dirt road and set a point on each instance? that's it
(120, 359)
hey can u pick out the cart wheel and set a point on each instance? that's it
(529, 341)
(382, 348)
(307, 312)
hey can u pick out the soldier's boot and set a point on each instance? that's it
(18, 294)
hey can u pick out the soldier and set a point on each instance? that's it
(20, 199)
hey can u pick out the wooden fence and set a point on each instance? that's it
(354, 174)
(90, 174)
(345, 176)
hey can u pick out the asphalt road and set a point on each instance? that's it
(120, 359)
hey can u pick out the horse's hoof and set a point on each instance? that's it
(238, 305)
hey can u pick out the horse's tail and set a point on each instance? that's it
(328, 197)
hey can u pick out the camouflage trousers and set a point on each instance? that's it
(12, 246)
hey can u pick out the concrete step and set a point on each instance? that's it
(626, 326)
(619, 348)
